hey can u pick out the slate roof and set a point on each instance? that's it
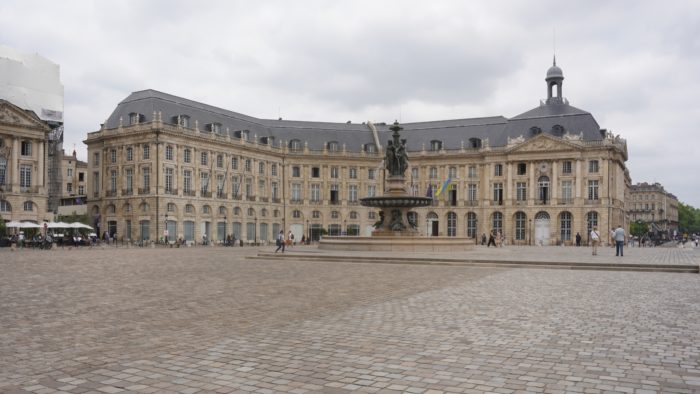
(354, 135)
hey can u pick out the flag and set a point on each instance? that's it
(444, 187)
(430, 191)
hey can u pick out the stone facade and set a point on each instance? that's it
(73, 185)
(652, 204)
(23, 181)
(171, 172)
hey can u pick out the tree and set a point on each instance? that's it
(638, 228)
(688, 218)
(3, 229)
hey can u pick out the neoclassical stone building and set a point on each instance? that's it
(162, 164)
(23, 165)
(653, 205)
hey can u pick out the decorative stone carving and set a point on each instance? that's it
(573, 137)
(516, 140)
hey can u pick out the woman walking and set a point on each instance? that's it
(595, 239)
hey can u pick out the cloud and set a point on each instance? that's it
(633, 67)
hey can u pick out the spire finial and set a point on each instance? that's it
(554, 61)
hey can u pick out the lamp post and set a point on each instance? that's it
(225, 224)
(308, 232)
(345, 224)
(529, 232)
(255, 232)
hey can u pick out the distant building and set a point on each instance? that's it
(652, 204)
(74, 185)
(163, 164)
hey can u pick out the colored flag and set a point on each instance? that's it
(444, 187)
(430, 191)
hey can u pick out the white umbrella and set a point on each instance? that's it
(13, 224)
(57, 225)
(29, 225)
(79, 225)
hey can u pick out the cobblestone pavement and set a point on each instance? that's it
(206, 320)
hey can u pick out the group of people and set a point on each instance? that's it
(281, 242)
(495, 239)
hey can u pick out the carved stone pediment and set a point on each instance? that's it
(12, 115)
(542, 143)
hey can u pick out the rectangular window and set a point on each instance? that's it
(522, 169)
(187, 181)
(592, 190)
(168, 180)
(315, 172)
(204, 182)
(414, 173)
(25, 176)
(81, 190)
(113, 156)
(96, 183)
(471, 192)
(352, 193)
(472, 171)
(69, 187)
(249, 187)
(3, 170)
(593, 166)
(146, 178)
(129, 154)
(521, 191)
(220, 186)
(70, 173)
(273, 169)
(566, 191)
(334, 172)
(371, 191)
(352, 173)
(146, 152)
(168, 152)
(498, 170)
(81, 177)
(204, 158)
(96, 159)
(566, 167)
(315, 192)
(498, 193)
(235, 186)
(219, 161)
(26, 148)
(296, 171)
(296, 192)
(433, 173)
(371, 173)
(275, 190)
(129, 180)
(452, 172)
(261, 168)
(234, 163)
(248, 165)
(113, 181)
(261, 188)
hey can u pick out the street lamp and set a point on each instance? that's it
(225, 224)
(529, 232)
(345, 224)
(255, 232)
(308, 232)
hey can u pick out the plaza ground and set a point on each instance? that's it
(199, 320)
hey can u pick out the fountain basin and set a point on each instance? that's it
(396, 201)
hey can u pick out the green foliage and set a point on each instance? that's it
(688, 218)
(638, 228)
(3, 229)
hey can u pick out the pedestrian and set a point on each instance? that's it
(595, 240)
(303, 239)
(290, 237)
(578, 239)
(483, 239)
(612, 237)
(499, 239)
(280, 241)
(492, 240)
(619, 240)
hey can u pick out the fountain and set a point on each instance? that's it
(395, 231)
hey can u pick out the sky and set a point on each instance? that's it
(634, 65)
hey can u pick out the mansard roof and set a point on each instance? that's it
(552, 118)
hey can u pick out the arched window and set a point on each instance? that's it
(245, 134)
(144, 208)
(520, 221)
(435, 145)
(126, 208)
(558, 130)
(591, 221)
(497, 221)
(543, 189)
(295, 145)
(5, 206)
(251, 212)
(171, 207)
(353, 215)
(534, 130)
(471, 225)
(189, 209)
(182, 121)
(296, 214)
(451, 224)
(565, 226)
(335, 214)
(29, 206)
(110, 209)
(316, 214)
(237, 211)
(263, 212)
(332, 146)
(206, 210)
(222, 210)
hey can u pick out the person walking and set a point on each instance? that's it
(595, 240)
(578, 239)
(619, 240)
(483, 239)
(492, 241)
(290, 237)
(280, 241)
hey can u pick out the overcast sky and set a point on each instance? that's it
(634, 65)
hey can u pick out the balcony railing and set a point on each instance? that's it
(335, 202)
(296, 202)
(471, 203)
(144, 190)
(189, 193)
(593, 202)
(110, 193)
(237, 197)
(127, 192)
(542, 202)
(566, 201)
(205, 194)
(250, 198)
(264, 199)
(171, 191)
(221, 195)
(353, 203)
(276, 200)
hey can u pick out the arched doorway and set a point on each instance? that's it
(433, 224)
(542, 228)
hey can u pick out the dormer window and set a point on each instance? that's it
(214, 127)
(332, 146)
(295, 145)
(370, 148)
(245, 134)
(558, 130)
(534, 130)
(182, 121)
(135, 118)
(435, 145)
(475, 143)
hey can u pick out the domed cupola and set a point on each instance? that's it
(555, 77)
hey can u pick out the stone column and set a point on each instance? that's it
(578, 177)
(555, 184)
(42, 165)
(509, 182)
(14, 165)
(533, 186)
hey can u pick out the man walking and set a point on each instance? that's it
(619, 240)
(280, 241)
